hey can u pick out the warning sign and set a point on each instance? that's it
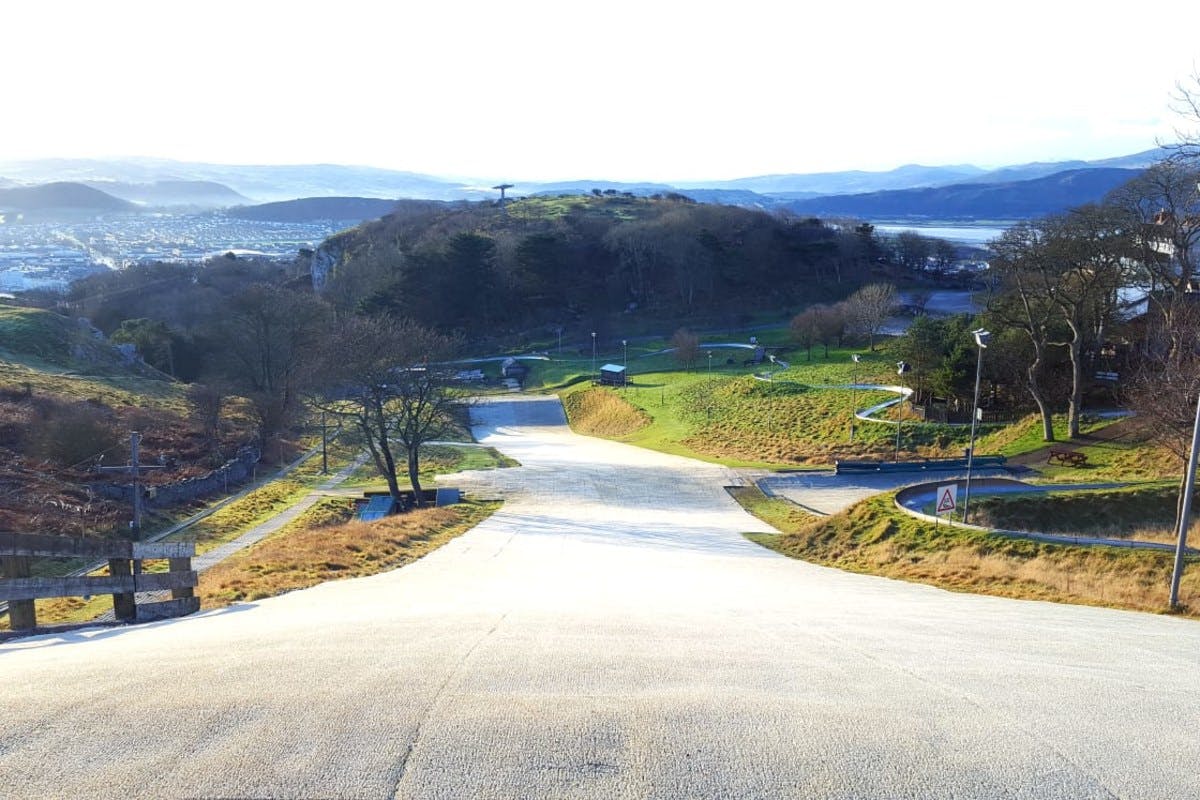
(947, 499)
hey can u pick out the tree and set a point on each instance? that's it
(1019, 302)
(870, 307)
(152, 338)
(804, 330)
(381, 376)
(205, 403)
(267, 342)
(686, 346)
(913, 250)
(1062, 276)
(1162, 208)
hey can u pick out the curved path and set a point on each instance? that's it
(609, 634)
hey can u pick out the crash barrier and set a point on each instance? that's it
(925, 465)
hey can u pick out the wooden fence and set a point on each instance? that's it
(124, 580)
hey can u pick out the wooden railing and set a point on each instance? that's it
(124, 581)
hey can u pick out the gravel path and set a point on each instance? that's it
(609, 633)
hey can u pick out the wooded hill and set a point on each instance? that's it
(483, 269)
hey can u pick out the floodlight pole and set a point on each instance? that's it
(854, 394)
(1185, 512)
(593, 355)
(901, 368)
(981, 339)
(625, 361)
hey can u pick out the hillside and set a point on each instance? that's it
(908, 176)
(67, 396)
(169, 193)
(349, 210)
(61, 197)
(544, 260)
(1015, 200)
(258, 182)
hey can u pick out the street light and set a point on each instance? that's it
(982, 338)
(901, 368)
(854, 392)
(593, 355)
(625, 361)
(710, 362)
(1185, 514)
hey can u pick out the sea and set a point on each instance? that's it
(976, 235)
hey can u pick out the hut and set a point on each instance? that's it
(612, 375)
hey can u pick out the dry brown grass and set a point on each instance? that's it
(873, 537)
(304, 555)
(602, 412)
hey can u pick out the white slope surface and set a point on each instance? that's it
(610, 634)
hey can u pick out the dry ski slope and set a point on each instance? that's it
(609, 634)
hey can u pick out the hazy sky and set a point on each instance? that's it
(616, 90)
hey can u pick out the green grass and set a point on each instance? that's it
(37, 333)
(729, 416)
(238, 517)
(435, 460)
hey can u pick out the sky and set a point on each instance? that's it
(633, 91)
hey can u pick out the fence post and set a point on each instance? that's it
(22, 614)
(181, 565)
(124, 607)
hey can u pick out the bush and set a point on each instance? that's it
(68, 434)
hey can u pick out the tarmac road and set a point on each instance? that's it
(609, 634)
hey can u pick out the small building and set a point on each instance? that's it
(612, 375)
(511, 368)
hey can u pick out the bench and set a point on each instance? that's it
(1068, 458)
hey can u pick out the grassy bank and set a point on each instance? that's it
(1145, 513)
(324, 544)
(873, 537)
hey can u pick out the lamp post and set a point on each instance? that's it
(982, 338)
(625, 361)
(1185, 514)
(593, 355)
(854, 392)
(901, 368)
(710, 362)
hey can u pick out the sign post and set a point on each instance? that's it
(947, 499)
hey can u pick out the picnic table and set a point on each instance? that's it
(1069, 458)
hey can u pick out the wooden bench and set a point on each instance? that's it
(1068, 458)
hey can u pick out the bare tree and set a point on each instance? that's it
(686, 347)
(803, 328)
(267, 341)
(1061, 277)
(1163, 209)
(1019, 303)
(831, 325)
(381, 377)
(870, 307)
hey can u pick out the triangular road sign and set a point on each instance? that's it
(947, 498)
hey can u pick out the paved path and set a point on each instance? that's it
(609, 634)
(211, 558)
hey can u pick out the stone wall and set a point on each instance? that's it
(232, 473)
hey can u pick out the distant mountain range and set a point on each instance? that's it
(352, 194)
(963, 201)
(173, 194)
